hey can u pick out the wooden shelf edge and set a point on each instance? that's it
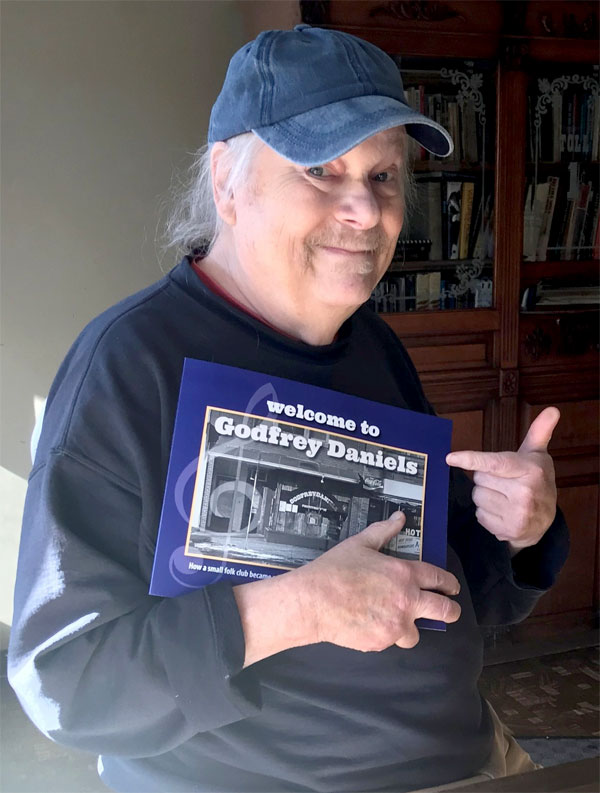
(418, 323)
(532, 272)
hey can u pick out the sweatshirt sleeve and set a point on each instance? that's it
(96, 662)
(504, 590)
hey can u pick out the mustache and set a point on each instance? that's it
(370, 240)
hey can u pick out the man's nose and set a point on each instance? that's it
(358, 207)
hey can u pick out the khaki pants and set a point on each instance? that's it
(506, 758)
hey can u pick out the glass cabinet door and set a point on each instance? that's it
(562, 198)
(445, 253)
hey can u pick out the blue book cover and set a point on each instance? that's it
(266, 474)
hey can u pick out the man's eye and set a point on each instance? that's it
(316, 170)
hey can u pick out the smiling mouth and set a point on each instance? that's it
(346, 251)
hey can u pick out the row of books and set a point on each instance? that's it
(544, 295)
(428, 292)
(562, 217)
(449, 211)
(460, 119)
(570, 127)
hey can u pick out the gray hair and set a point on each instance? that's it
(194, 224)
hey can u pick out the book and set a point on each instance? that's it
(581, 247)
(554, 251)
(546, 224)
(435, 288)
(453, 209)
(466, 211)
(422, 291)
(541, 191)
(425, 219)
(266, 474)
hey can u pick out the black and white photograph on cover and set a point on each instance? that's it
(279, 494)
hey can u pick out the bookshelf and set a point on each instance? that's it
(444, 258)
(517, 86)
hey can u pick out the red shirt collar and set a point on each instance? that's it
(218, 290)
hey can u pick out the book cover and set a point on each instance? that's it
(266, 474)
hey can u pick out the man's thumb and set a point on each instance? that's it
(378, 534)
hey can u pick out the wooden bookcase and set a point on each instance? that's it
(493, 369)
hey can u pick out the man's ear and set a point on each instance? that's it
(220, 166)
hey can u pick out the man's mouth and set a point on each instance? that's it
(347, 251)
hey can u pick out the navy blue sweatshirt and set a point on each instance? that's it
(156, 686)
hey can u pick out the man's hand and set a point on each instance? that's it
(515, 492)
(352, 596)
(367, 600)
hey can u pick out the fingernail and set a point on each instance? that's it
(397, 515)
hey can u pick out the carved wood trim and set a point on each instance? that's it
(568, 25)
(453, 391)
(554, 384)
(509, 382)
(538, 344)
(416, 11)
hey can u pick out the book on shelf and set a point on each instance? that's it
(453, 218)
(569, 127)
(548, 295)
(537, 197)
(435, 290)
(266, 474)
(449, 211)
(461, 117)
(546, 218)
(483, 247)
(561, 216)
(466, 213)
(422, 292)
(429, 291)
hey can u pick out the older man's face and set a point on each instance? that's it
(321, 237)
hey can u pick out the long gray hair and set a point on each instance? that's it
(194, 223)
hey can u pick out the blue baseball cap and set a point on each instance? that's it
(313, 94)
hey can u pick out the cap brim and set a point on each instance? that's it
(324, 133)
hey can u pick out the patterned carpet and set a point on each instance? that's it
(551, 696)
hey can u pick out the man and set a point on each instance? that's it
(316, 680)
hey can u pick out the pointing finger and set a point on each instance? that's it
(540, 432)
(505, 464)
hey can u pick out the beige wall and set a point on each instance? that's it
(260, 15)
(100, 102)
